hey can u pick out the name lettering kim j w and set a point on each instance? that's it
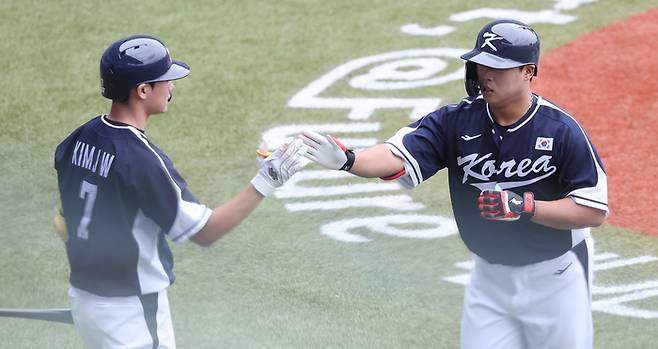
(89, 157)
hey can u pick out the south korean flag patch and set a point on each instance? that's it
(544, 143)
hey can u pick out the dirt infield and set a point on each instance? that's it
(607, 79)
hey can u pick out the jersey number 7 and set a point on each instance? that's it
(88, 193)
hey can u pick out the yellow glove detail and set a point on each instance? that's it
(60, 226)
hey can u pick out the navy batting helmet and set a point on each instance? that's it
(135, 60)
(501, 44)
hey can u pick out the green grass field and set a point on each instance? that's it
(275, 281)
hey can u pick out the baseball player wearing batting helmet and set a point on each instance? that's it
(122, 197)
(526, 183)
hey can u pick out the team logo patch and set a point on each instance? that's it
(544, 143)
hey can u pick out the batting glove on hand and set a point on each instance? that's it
(60, 225)
(505, 205)
(327, 151)
(277, 168)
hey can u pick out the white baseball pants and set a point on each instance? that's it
(137, 322)
(546, 305)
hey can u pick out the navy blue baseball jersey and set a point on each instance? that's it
(546, 152)
(120, 196)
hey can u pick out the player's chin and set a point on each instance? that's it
(165, 105)
(493, 99)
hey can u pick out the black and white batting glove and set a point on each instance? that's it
(505, 205)
(277, 168)
(327, 151)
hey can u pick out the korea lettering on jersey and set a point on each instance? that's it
(120, 196)
(546, 152)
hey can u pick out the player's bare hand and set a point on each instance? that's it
(278, 167)
(327, 151)
(505, 205)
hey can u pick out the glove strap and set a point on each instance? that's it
(350, 160)
(262, 185)
(529, 209)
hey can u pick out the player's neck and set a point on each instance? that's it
(512, 111)
(129, 113)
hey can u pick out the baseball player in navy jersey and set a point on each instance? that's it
(525, 183)
(122, 198)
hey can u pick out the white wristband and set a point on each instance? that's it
(262, 185)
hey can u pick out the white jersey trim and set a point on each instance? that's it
(150, 273)
(189, 209)
(109, 124)
(578, 235)
(190, 217)
(521, 124)
(526, 120)
(471, 102)
(597, 196)
(414, 176)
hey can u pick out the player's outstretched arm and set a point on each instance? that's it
(329, 152)
(273, 171)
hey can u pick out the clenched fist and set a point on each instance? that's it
(505, 205)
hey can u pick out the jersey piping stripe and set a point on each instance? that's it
(144, 140)
(589, 145)
(588, 199)
(523, 123)
(553, 106)
(175, 186)
(398, 145)
(151, 274)
(526, 120)
(107, 123)
(489, 114)
(417, 176)
(200, 223)
(147, 281)
(602, 180)
(471, 102)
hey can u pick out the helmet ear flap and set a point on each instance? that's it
(471, 79)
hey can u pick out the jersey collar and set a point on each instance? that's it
(524, 119)
(118, 124)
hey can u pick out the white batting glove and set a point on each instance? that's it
(277, 168)
(327, 151)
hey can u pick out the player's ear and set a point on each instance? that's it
(142, 90)
(528, 71)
